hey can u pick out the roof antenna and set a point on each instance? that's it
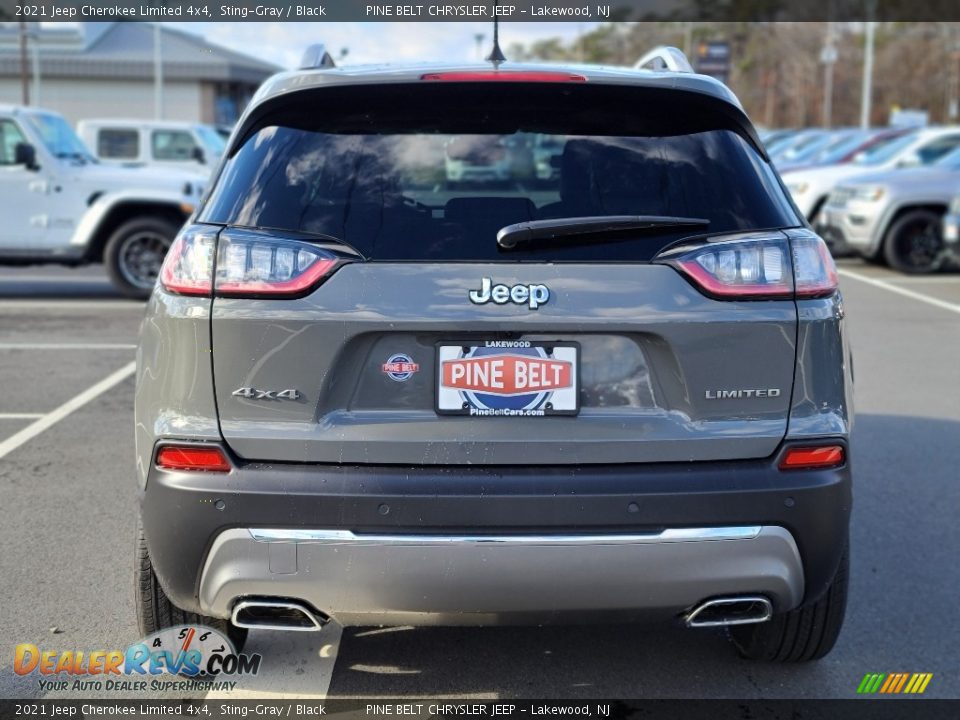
(496, 55)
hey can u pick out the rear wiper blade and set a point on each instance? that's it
(586, 228)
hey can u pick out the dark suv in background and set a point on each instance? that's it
(378, 391)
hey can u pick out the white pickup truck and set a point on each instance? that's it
(59, 205)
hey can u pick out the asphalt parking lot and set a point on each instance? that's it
(67, 488)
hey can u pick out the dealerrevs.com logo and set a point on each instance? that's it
(202, 658)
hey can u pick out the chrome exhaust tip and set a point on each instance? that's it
(743, 610)
(277, 615)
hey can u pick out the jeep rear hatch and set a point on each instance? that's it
(404, 333)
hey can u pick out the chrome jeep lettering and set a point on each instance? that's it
(533, 296)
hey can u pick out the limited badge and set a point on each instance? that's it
(400, 367)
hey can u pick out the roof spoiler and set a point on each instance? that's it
(665, 58)
(316, 57)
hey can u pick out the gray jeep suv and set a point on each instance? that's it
(368, 394)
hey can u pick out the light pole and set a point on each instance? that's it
(866, 96)
(828, 56)
(34, 36)
(953, 83)
(157, 72)
(24, 81)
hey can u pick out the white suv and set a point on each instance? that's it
(180, 145)
(60, 205)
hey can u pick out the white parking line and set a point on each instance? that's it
(927, 279)
(936, 302)
(20, 416)
(67, 346)
(54, 416)
(8, 304)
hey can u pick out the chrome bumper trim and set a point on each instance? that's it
(347, 537)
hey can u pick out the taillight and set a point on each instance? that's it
(814, 271)
(758, 266)
(188, 266)
(540, 76)
(807, 458)
(251, 264)
(192, 457)
(742, 266)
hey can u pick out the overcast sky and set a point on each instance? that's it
(372, 42)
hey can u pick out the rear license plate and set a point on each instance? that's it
(508, 379)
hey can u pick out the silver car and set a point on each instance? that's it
(895, 216)
(621, 392)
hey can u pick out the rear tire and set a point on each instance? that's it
(807, 633)
(156, 612)
(914, 243)
(135, 251)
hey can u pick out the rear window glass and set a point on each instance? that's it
(437, 180)
(118, 144)
(173, 145)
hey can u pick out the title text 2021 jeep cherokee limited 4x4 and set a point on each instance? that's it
(370, 395)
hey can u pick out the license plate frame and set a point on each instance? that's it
(561, 401)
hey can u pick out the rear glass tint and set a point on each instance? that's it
(118, 144)
(435, 177)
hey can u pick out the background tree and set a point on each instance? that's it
(776, 69)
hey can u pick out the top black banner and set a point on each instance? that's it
(481, 10)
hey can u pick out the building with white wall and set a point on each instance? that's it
(104, 69)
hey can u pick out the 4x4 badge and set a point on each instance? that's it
(531, 295)
(254, 394)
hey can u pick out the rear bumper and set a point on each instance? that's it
(465, 545)
(402, 579)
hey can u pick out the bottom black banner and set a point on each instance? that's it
(406, 709)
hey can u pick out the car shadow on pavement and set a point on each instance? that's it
(904, 540)
(586, 661)
(66, 291)
(31, 283)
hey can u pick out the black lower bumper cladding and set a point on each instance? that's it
(184, 512)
